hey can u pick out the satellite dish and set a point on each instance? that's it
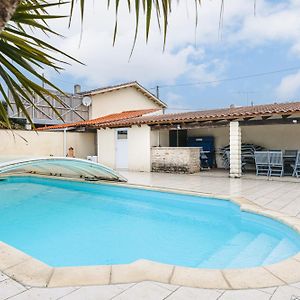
(87, 101)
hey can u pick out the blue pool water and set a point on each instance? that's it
(65, 223)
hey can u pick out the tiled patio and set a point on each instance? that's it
(280, 195)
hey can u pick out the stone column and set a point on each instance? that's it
(235, 150)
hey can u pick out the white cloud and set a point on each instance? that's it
(105, 64)
(274, 22)
(289, 87)
(149, 63)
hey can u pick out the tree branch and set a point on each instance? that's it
(7, 9)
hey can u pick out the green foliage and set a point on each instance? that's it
(23, 56)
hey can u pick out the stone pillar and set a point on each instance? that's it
(235, 150)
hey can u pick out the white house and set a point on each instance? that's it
(128, 129)
(273, 126)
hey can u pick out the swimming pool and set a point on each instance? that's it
(68, 223)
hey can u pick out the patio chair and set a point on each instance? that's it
(204, 160)
(289, 160)
(291, 153)
(262, 163)
(296, 166)
(226, 159)
(276, 163)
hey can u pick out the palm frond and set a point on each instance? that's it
(23, 56)
(162, 9)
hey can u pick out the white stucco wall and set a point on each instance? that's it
(106, 147)
(273, 136)
(31, 143)
(119, 100)
(139, 148)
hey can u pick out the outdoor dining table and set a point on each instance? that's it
(286, 158)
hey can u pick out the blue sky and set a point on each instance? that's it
(250, 44)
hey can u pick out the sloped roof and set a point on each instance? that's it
(275, 109)
(134, 84)
(105, 119)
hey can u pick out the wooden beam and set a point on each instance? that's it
(192, 125)
(265, 117)
(248, 118)
(224, 123)
(282, 121)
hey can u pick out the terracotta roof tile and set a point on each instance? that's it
(210, 115)
(125, 115)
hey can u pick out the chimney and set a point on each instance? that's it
(77, 88)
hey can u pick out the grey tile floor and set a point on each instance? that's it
(278, 195)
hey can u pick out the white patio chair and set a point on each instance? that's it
(276, 163)
(296, 166)
(262, 163)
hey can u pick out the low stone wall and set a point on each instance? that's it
(175, 160)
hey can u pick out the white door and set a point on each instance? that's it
(122, 149)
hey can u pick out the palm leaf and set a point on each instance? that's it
(23, 56)
(162, 8)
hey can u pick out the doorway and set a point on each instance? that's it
(122, 149)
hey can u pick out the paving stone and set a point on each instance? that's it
(270, 290)
(144, 291)
(184, 293)
(31, 272)
(43, 293)
(287, 270)
(250, 278)
(141, 270)
(10, 256)
(245, 295)
(200, 278)
(286, 292)
(297, 285)
(104, 292)
(9, 288)
(73, 276)
(3, 277)
(170, 287)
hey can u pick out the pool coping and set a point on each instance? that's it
(31, 272)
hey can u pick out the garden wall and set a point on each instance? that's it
(31, 143)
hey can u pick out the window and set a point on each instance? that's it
(122, 135)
